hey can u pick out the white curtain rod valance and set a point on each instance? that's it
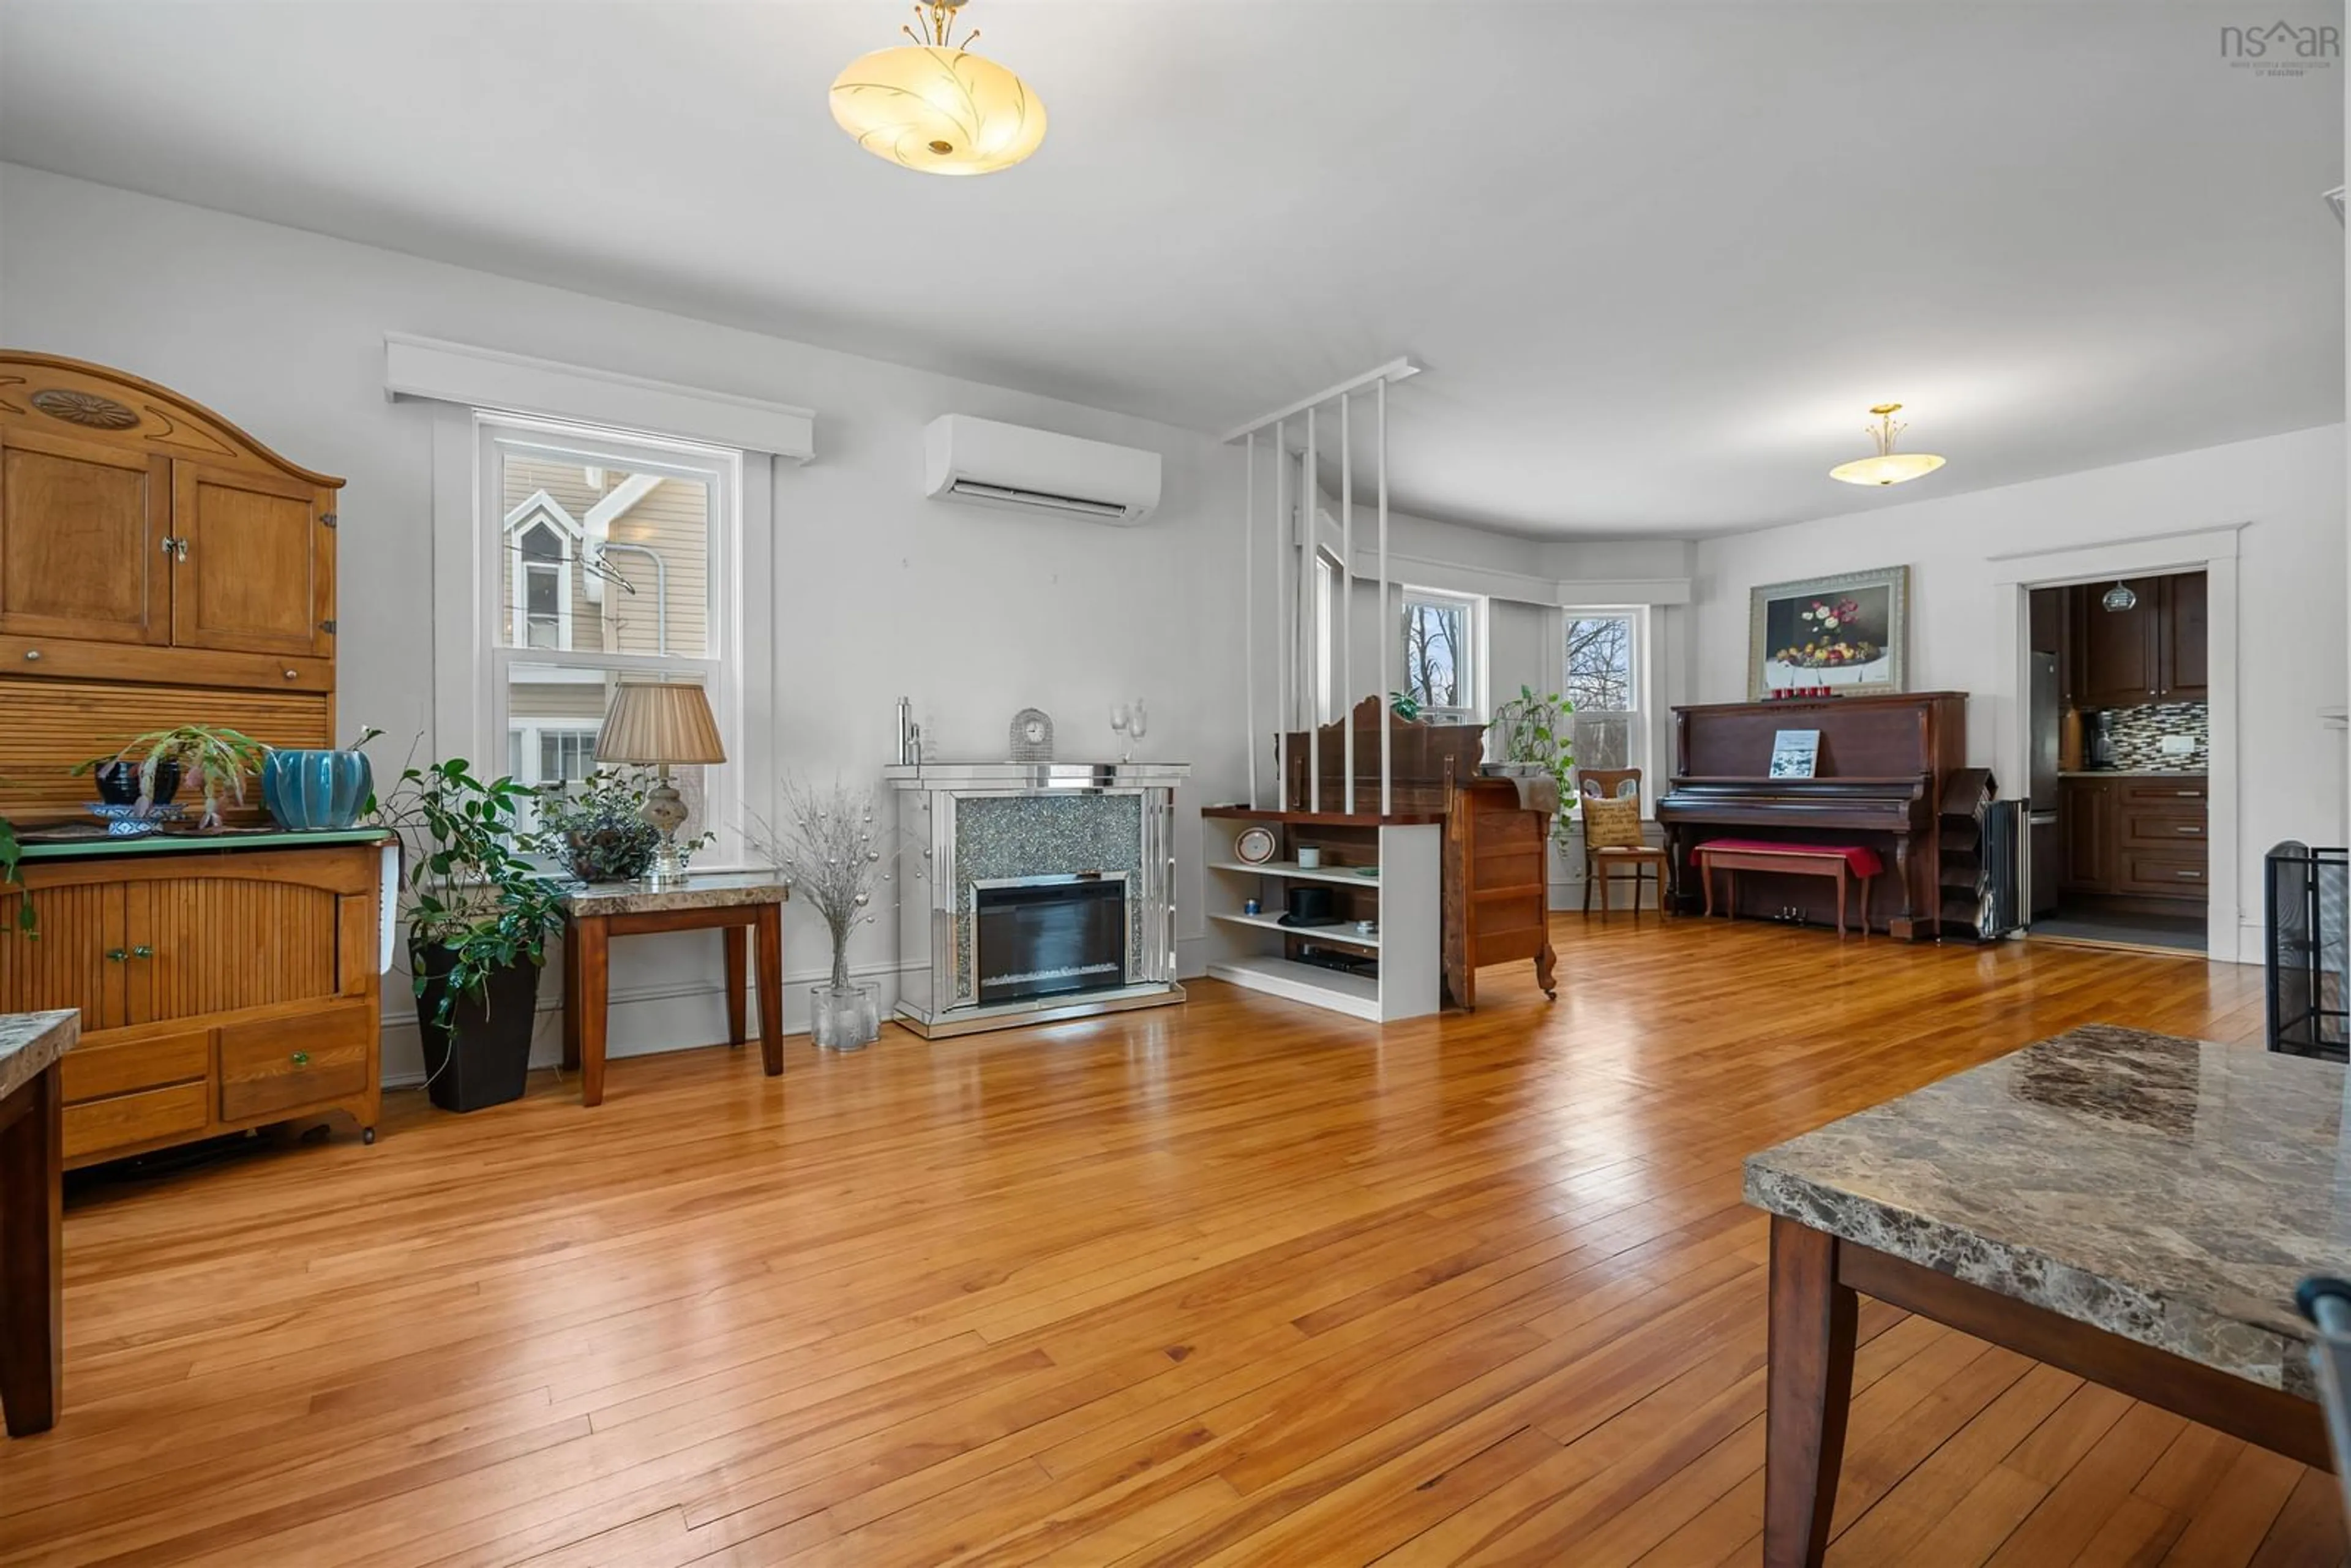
(491, 378)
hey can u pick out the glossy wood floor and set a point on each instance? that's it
(1235, 1282)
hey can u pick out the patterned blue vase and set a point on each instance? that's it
(309, 790)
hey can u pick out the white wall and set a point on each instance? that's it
(2288, 492)
(877, 591)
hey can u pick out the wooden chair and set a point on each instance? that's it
(1601, 865)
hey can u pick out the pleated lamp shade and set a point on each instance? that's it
(657, 722)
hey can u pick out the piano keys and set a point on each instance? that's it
(1883, 768)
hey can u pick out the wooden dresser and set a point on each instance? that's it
(159, 567)
(223, 983)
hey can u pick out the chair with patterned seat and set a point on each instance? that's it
(1613, 838)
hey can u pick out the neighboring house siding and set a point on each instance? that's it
(673, 518)
(533, 701)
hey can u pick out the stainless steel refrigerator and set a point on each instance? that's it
(2043, 837)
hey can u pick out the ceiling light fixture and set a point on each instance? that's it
(2120, 598)
(1889, 467)
(934, 105)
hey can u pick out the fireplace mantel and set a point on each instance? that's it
(964, 825)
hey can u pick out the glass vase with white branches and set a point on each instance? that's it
(831, 850)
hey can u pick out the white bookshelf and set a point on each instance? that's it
(1256, 950)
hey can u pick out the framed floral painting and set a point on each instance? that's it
(1849, 632)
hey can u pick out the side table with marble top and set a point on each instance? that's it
(2131, 1207)
(744, 906)
(32, 1217)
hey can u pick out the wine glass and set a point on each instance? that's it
(1138, 722)
(1119, 720)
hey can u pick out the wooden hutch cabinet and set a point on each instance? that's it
(159, 567)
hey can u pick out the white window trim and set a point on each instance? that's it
(1643, 729)
(469, 714)
(1478, 608)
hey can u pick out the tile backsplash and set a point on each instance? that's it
(2139, 733)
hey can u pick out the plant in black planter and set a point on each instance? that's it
(596, 829)
(219, 760)
(478, 918)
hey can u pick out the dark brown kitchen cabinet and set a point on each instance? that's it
(2085, 816)
(2135, 836)
(2118, 647)
(2180, 623)
(2153, 652)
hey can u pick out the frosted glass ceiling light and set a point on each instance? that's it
(2119, 597)
(1889, 467)
(932, 106)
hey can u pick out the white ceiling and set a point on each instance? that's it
(1657, 257)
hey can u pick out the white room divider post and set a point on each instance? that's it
(1346, 605)
(1386, 740)
(1298, 672)
(1248, 611)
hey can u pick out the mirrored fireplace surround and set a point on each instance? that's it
(962, 826)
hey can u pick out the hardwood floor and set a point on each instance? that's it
(1235, 1282)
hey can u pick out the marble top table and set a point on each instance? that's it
(29, 1043)
(744, 906)
(2132, 1207)
(32, 1217)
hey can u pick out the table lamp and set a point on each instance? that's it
(662, 724)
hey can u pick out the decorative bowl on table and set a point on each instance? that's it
(310, 792)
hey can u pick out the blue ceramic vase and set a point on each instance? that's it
(310, 790)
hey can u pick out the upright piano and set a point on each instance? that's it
(1887, 770)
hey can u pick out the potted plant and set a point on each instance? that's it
(1536, 738)
(596, 829)
(218, 760)
(12, 852)
(317, 791)
(479, 917)
(831, 854)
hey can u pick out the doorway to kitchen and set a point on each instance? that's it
(2117, 697)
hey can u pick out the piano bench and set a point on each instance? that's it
(1735, 855)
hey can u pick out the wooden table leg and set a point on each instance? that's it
(592, 953)
(31, 1255)
(1841, 879)
(572, 1004)
(771, 988)
(1811, 1386)
(738, 940)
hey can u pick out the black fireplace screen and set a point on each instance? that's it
(1050, 938)
(2309, 959)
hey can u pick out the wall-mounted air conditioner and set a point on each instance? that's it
(1010, 465)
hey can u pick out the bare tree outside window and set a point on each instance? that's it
(1437, 657)
(1601, 681)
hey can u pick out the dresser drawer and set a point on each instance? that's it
(120, 1067)
(285, 1064)
(2171, 874)
(2187, 792)
(2181, 831)
(121, 1120)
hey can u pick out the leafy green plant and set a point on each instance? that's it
(28, 923)
(1405, 706)
(215, 760)
(1535, 729)
(596, 829)
(472, 893)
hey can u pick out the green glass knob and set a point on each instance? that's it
(142, 952)
(301, 1058)
(116, 954)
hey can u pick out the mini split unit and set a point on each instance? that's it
(1019, 469)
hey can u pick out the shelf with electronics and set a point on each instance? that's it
(1383, 871)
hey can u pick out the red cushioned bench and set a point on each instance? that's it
(1735, 855)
